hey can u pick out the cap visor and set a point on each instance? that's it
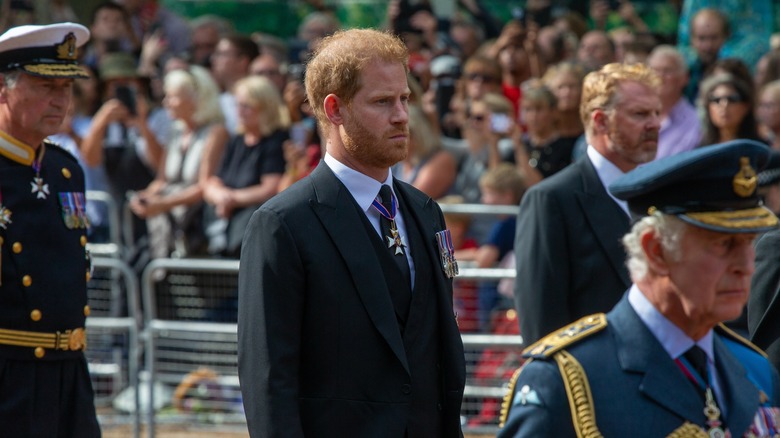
(751, 220)
(56, 70)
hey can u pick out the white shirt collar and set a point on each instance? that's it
(608, 173)
(362, 187)
(671, 337)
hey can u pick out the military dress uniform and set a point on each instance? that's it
(45, 388)
(628, 373)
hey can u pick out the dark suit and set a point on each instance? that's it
(570, 262)
(320, 350)
(763, 306)
(637, 389)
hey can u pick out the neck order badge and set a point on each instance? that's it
(387, 206)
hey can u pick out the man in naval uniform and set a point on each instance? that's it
(660, 363)
(45, 388)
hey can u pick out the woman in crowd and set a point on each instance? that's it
(726, 105)
(252, 166)
(565, 82)
(481, 75)
(541, 151)
(768, 113)
(172, 203)
(427, 166)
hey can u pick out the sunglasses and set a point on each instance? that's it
(731, 98)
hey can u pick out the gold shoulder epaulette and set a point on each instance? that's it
(562, 338)
(721, 328)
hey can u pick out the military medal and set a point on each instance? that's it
(394, 239)
(447, 253)
(712, 413)
(38, 186)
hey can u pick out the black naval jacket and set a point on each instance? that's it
(43, 265)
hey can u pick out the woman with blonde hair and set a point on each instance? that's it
(172, 203)
(252, 165)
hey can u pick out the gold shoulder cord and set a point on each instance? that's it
(575, 381)
(688, 430)
(509, 396)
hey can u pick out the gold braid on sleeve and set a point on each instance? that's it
(575, 381)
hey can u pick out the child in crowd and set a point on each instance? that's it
(503, 185)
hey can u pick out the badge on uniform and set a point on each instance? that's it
(5, 217)
(447, 253)
(73, 209)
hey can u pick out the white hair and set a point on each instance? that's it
(669, 228)
(11, 77)
(197, 81)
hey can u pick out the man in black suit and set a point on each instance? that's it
(567, 247)
(345, 320)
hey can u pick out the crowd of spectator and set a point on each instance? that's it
(191, 125)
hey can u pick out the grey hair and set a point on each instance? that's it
(669, 228)
(11, 77)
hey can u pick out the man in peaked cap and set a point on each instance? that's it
(660, 363)
(45, 388)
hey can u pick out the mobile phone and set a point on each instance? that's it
(299, 134)
(500, 123)
(127, 96)
(296, 72)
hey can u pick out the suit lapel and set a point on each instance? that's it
(640, 352)
(336, 210)
(740, 394)
(606, 219)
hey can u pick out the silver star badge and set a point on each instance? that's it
(5, 217)
(397, 241)
(39, 187)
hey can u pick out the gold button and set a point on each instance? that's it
(83, 240)
(88, 276)
(66, 172)
(39, 352)
(86, 310)
(27, 280)
(17, 247)
(35, 315)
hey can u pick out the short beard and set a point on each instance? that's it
(367, 147)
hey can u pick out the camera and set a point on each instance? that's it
(126, 95)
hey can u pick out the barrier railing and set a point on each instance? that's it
(112, 336)
(114, 246)
(191, 341)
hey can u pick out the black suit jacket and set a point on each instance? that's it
(570, 261)
(320, 352)
(764, 304)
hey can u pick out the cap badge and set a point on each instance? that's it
(67, 48)
(745, 181)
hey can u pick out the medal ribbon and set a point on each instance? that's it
(389, 215)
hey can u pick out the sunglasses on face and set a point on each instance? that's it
(731, 98)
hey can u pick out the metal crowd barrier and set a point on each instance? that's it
(112, 248)
(191, 341)
(112, 338)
